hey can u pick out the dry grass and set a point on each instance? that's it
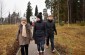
(7, 38)
(71, 40)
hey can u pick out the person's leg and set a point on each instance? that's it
(39, 48)
(22, 50)
(42, 48)
(26, 49)
(47, 41)
(52, 42)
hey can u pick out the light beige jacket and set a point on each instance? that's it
(24, 40)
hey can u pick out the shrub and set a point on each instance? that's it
(56, 21)
(82, 23)
(62, 23)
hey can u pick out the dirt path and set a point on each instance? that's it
(33, 50)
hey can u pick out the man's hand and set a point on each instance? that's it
(56, 33)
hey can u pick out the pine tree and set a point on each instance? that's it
(29, 12)
(48, 4)
(9, 16)
(36, 10)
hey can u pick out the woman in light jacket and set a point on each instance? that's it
(24, 36)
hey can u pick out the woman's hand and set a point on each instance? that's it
(17, 40)
(31, 39)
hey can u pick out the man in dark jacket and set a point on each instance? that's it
(50, 27)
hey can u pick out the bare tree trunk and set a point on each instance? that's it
(1, 15)
(83, 10)
(68, 11)
(1, 12)
(58, 11)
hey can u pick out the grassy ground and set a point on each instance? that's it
(7, 38)
(70, 40)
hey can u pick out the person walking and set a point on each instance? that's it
(39, 34)
(24, 36)
(50, 27)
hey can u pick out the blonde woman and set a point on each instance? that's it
(24, 36)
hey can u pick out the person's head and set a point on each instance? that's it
(39, 17)
(23, 20)
(50, 17)
(40, 13)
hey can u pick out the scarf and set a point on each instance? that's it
(24, 34)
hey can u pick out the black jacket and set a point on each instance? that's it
(39, 32)
(50, 27)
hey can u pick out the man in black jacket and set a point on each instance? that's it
(50, 27)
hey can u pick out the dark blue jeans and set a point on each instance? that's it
(24, 49)
(40, 46)
(51, 38)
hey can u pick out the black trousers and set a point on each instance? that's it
(51, 39)
(24, 49)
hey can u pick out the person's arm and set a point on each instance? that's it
(30, 33)
(45, 29)
(28, 26)
(55, 29)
